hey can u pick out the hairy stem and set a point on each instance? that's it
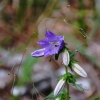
(67, 86)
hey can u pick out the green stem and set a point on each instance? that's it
(68, 97)
(67, 85)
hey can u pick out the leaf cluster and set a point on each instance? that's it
(61, 96)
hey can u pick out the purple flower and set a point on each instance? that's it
(52, 44)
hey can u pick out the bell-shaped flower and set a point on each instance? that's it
(65, 57)
(79, 70)
(59, 86)
(52, 44)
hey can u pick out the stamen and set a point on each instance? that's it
(56, 45)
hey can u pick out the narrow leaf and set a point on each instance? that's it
(72, 54)
(50, 96)
(79, 87)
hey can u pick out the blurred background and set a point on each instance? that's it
(23, 23)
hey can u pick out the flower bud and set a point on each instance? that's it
(79, 70)
(58, 99)
(58, 87)
(65, 57)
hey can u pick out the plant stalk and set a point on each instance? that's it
(67, 86)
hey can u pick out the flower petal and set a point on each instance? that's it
(58, 87)
(61, 45)
(66, 57)
(49, 34)
(60, 37)
(38, 53)
(79, 70)
(43, 42)
(50, 50)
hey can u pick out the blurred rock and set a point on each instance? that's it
(94, 49)
(42, 77)
(14, 59)
(6, 58)
(87, 85)
(77, 96)
(5, 79)
(18, 90)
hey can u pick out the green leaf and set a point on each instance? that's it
(72, 54)
(68, 77)
(71, 79)
(79, 87)
(97, 98)
(50, 96)
(62, 95)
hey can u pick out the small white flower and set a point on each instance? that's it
(79, 70)
(65, 57)
(59, 86)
